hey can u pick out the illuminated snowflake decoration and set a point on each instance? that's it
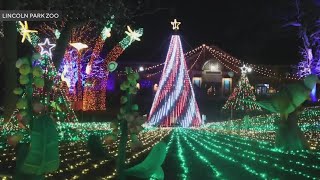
(25, 31)
(134, 35)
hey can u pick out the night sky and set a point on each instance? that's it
(250, 30)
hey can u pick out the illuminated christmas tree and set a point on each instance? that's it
(243, 91)
(174, 102)
(55, 100)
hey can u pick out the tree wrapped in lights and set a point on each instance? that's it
(97, 71)
(235, 103)
(174, 102)
(309, 32)
(105, 33)
(124, 44)
(75, 15)
(94, 94)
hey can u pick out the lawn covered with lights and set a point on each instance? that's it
(71, 110)
(191, 154)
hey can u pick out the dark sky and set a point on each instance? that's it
(250, 30)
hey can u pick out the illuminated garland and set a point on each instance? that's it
(229, 62)
(148, 68)
(198, 57)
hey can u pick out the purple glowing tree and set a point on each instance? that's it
(309, 32)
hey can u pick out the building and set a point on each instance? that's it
(215, 72)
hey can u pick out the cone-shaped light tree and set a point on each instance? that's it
(243, 91)
(174, 102)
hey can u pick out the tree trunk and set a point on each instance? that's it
(289, 136)
(10, 58)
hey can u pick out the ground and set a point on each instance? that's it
(191, 154)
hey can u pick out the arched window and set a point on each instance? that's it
(211, 66)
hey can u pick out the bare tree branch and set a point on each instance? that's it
(151, 12)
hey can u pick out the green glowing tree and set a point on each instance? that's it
(236, 104)
(129, 121)
(42, 156)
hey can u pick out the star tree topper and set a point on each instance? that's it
(175, 24)
(46, 47)
(134, 35)
(245, 69)
(25, 31)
